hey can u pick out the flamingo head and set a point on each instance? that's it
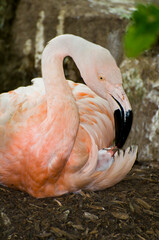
(102, 75)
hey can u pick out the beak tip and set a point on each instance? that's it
(123, 123)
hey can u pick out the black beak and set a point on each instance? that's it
(123, 123)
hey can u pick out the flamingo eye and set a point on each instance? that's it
(101, 78)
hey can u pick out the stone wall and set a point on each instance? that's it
(33, 23)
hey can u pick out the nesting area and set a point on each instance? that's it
(129, 210)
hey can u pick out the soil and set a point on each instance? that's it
(127, 211)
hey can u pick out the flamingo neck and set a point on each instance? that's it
(52, 67)
(62, 112)
(53, 74)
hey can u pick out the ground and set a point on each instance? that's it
(127, 211)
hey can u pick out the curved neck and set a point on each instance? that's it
(62, 120)
(52, 65)
(53, 73)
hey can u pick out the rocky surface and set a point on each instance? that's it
(30, 24)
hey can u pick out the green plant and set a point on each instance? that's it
(143, 30)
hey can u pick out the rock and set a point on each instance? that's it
(90, 216)
(5, 219)
(141, 83)
(143, 203)
(65, 214)
(120, 215)
(29, 25)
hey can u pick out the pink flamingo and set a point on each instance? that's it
(55, 135)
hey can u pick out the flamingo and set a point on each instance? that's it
(56, 136)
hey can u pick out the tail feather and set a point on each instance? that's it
(123, 162)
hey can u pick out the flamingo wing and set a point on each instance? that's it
(96, 115)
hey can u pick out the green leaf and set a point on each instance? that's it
(143, 31)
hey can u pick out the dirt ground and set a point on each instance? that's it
(129, 210)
